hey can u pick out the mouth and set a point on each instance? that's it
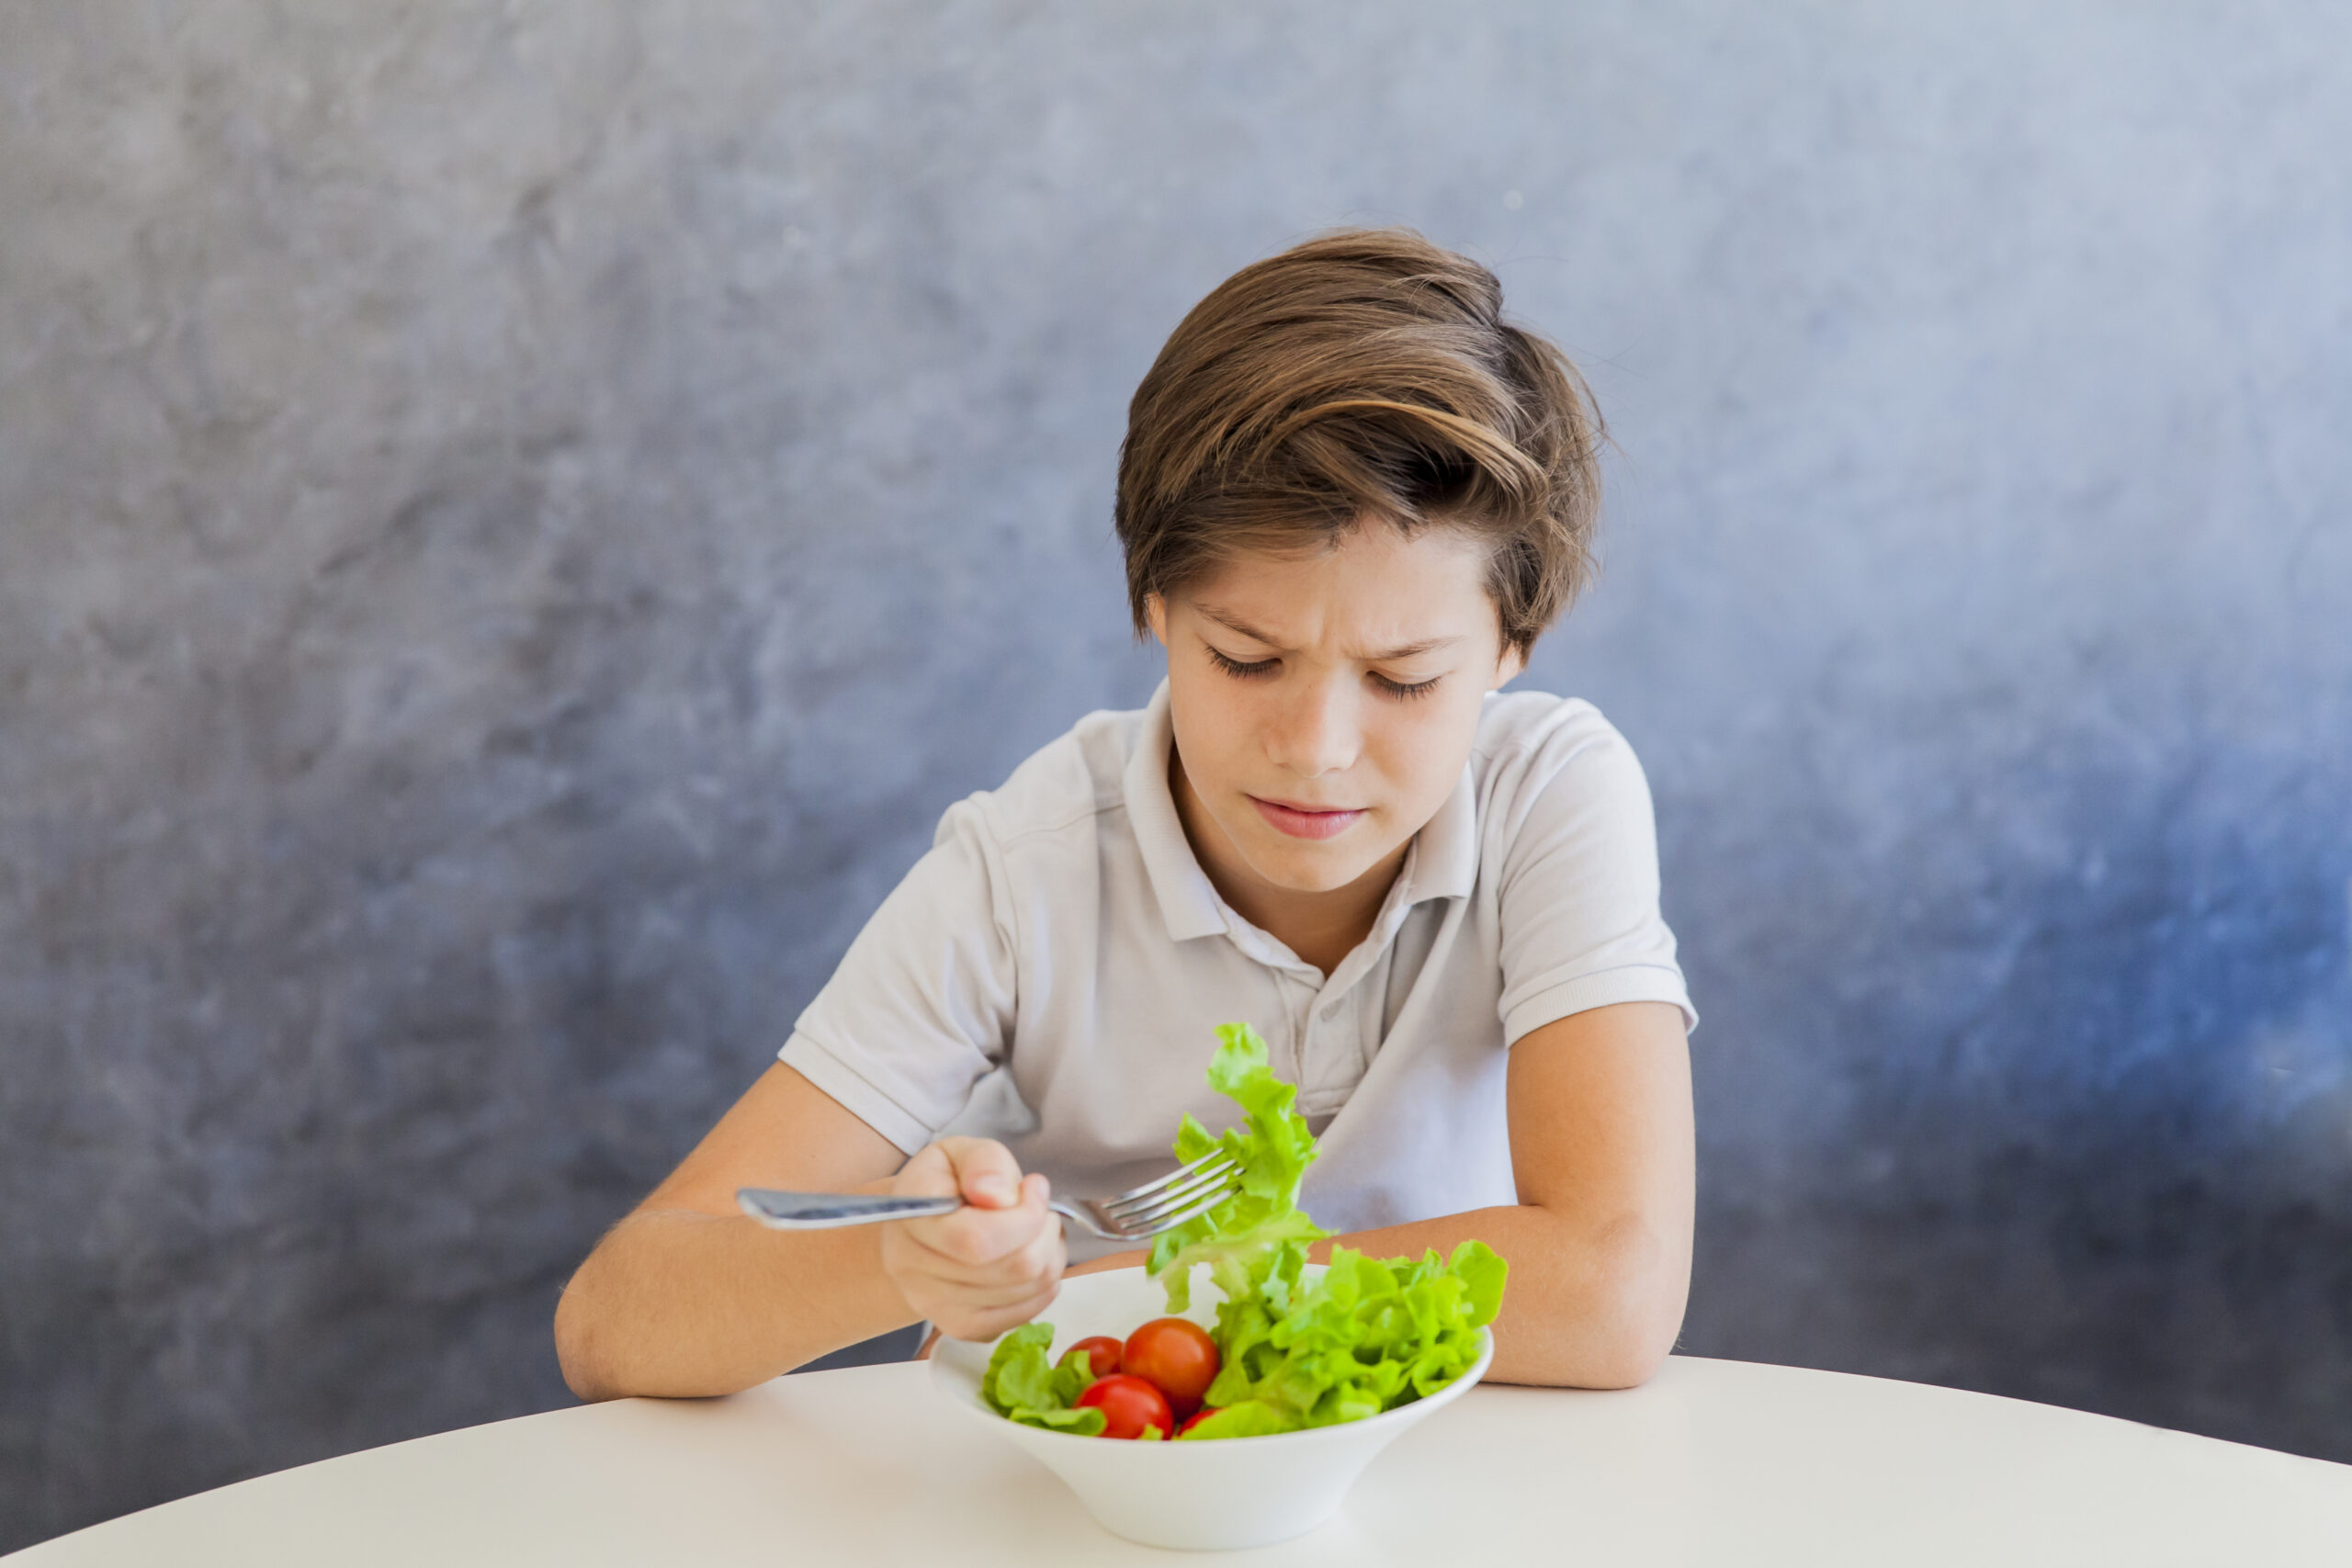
(1306, 821)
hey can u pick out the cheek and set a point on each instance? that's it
(1423, 747)
(1212, 722)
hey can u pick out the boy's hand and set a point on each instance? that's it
(986, 1268)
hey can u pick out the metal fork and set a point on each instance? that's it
(1184, 1193)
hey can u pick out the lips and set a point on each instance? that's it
(1305, 822)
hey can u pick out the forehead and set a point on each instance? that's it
(1374, 587)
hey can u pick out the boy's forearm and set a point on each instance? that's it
(682, 1304)
(1585, 1307)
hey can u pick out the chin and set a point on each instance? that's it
(1298, 873)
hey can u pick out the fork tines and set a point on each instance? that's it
(1178, 1196)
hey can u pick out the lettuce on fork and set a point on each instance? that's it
(1371, 1334)
(1241, 1239)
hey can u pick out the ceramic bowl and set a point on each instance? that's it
(1230, 1493)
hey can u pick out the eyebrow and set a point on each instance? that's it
(1386, 655)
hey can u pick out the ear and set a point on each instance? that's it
(1155, 610)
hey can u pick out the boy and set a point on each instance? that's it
(1351, 498)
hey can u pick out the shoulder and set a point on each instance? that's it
(1516, 722)
(1060, 789)
(1535, 748)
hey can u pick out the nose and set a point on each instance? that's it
(1316, 732)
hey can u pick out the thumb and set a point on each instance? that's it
(986, 1172)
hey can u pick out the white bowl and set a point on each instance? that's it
(1232, 1491)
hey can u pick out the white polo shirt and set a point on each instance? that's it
(1052, 972)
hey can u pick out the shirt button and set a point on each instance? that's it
(1331, 1012)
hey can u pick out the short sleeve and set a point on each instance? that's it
(1578, 893)
(922, 1004)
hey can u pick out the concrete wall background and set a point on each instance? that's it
(513, 520)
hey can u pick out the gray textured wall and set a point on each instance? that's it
(514, 520)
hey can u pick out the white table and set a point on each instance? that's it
(1711, 1462)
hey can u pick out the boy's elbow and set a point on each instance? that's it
(1641, 1314)
(575, 1340)
(1631, 1358)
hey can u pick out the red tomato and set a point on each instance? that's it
(1102, 1354)
(1128, 1405)
(1177, 1356)
(1194, 1419)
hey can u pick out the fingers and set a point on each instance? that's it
(987, 1324)
(982, 1247)
(1006, 1210)
(966, 1311)
(987, 1267)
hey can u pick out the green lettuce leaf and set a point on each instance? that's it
(1250, 1418)
(1244, 1238)
(1021, 1385)
(1371, 1335)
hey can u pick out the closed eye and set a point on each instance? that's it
(1256, 668)
(1402, 689)
(1237, 668)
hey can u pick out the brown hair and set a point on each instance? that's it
(1365, 374)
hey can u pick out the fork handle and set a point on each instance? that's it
(824, 1210)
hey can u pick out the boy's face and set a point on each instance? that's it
(1324, 704)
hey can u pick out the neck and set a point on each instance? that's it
(1321, 928)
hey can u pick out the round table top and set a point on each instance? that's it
(1710, 1462)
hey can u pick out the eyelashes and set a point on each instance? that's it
(1240, 672)
(1405, 690)
(1259, 668)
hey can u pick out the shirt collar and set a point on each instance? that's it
(1442, 864)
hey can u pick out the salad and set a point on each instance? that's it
(1371, 1334)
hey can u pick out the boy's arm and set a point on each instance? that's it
(1603, 1155)
(1600, 1241)
(687, 1296)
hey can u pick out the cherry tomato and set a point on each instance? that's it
(1194, 1419)
(1102, 1354)
(1128, 1405)
(1177, 1356)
